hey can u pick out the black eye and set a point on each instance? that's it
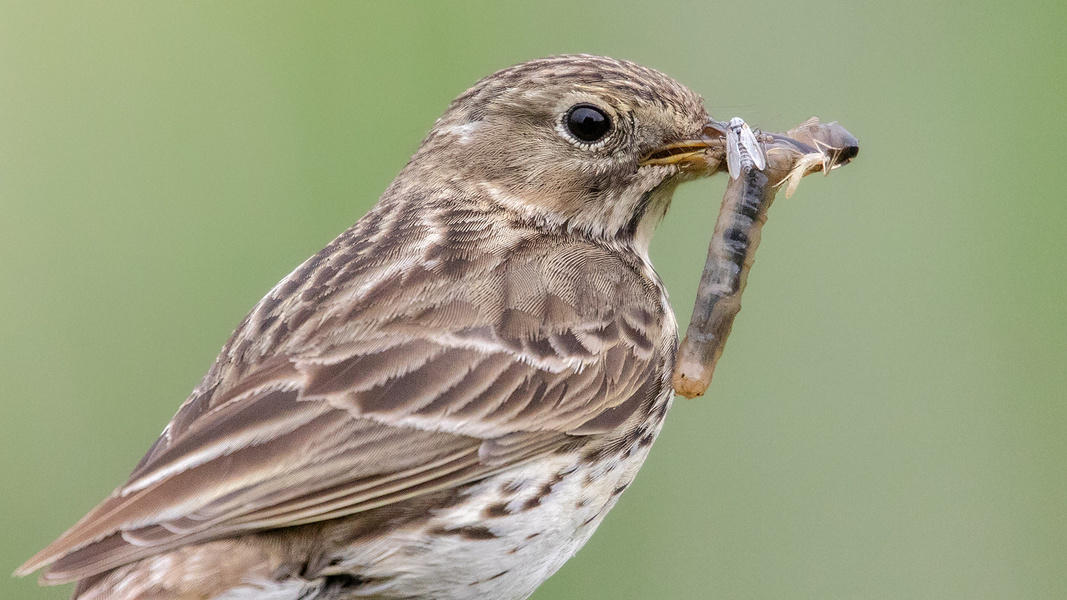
(588, 123)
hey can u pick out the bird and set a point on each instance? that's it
(446, 401)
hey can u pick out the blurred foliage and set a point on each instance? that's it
(888, 420)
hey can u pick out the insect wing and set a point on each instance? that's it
(749, 142)
(733, 154)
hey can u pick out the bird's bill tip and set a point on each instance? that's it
(690, 154)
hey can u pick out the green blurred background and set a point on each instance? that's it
(888, 421)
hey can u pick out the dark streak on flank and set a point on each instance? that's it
(500, 509)
(467, 532)
(542, 492)
(500, 574)
(646, 440)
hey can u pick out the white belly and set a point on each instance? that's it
(539, 532)
(512, 532)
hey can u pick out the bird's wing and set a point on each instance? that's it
(420, 387)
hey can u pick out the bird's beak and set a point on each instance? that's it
(689, 154)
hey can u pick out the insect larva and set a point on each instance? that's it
(730, 255)
(738, 228)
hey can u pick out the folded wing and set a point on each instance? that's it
(390, 410)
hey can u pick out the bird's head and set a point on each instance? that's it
(586, 143)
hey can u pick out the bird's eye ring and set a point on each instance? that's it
(587, 123)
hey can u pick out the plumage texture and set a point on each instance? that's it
(475, 369)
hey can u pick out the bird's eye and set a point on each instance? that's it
(588, 123)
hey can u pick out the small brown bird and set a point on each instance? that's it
(445, 401)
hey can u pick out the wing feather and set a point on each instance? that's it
(457, 384)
